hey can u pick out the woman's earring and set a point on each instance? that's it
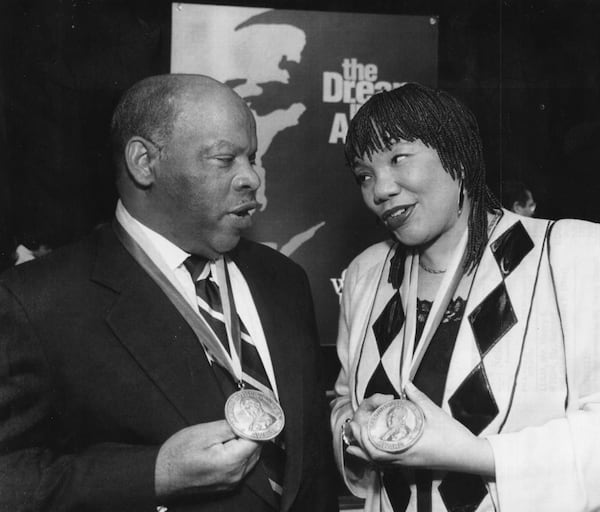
(461, 197)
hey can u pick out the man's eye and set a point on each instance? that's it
(397, 158)
(224, 160)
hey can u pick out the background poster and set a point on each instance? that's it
(304, 74)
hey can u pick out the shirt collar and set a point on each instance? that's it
(172, 255)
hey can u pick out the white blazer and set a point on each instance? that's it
(530, 331)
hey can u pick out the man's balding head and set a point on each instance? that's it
(150, 108)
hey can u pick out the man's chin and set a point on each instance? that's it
(226, 244)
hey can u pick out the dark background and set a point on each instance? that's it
(528, 69)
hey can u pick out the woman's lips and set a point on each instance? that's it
(396, 217)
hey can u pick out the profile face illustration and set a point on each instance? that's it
(257, 62)
(396, 425)
(260, 418)
(250, 55)
(254, 57)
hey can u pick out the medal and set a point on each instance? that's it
(254, 415)
(396, 425)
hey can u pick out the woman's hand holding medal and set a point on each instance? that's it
(359, 423)
(444, 444)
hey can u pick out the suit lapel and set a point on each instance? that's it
(156, 335)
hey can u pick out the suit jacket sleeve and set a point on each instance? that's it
(35, 474)
(556, 466)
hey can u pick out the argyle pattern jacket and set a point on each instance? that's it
(525, 371)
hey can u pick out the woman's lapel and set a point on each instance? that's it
(489, 347)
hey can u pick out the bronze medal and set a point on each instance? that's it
(396, 425)
(254, 415)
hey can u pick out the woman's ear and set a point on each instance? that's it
(140, 157)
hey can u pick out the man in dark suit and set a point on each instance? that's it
(110, 397)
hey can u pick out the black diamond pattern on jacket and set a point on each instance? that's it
(462, 492)
(473, 403)
(492, 319)
(397, 489)
(389, 323)
(474, 406)
(511, 247)
(380, 383)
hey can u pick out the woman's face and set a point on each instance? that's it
(407, 187)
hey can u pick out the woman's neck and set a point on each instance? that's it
(428, 284)
(436, 256)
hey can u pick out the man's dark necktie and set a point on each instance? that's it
(253, 370)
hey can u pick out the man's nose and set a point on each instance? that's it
(247, 177)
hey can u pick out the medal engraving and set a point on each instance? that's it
(254, 415)
(396, 425)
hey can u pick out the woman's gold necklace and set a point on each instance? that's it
(430, 270)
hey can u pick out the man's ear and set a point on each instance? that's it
(141, 156)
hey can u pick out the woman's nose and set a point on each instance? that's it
(385, 186)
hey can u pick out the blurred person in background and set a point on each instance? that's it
(517, 198)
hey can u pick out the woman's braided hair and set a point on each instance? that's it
(442, 123)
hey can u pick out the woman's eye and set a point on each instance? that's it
(397, 158)
(361, 178)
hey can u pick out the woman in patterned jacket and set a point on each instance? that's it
(480, 324)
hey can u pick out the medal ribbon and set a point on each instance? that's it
(208, 339)
(411, 357)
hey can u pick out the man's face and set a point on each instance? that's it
(205, 183)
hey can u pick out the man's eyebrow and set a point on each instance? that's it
(222, 143)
